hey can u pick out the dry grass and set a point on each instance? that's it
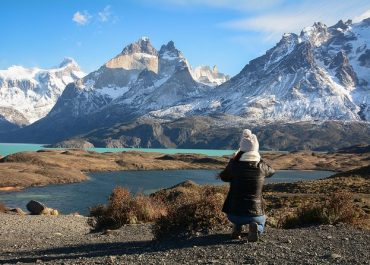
(338, 207)
(124, 208)
(192, 211)
(2, 208)
(58, 166)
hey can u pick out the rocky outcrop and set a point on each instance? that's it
(35, 207)
(73, 143)
(139, 55)
(223, 132)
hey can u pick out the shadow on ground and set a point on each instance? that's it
(114, 249)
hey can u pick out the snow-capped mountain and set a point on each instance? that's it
(321, 74)
(28, 94)
(138, 80)
(208, 76)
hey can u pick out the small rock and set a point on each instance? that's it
(58, 234)
(335, 256)
(35, 207)
(109, 232)
(329, 237)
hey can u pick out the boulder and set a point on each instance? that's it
(35, 207)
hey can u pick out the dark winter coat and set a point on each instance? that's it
(246, 183)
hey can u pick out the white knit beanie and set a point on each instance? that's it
(249, 145)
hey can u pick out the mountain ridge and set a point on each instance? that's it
(321, 74)
(28, 94)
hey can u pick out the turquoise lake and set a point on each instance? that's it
(7, 149)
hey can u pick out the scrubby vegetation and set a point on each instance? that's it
(2, 208)
(338, 207)
(188, 209)
(181, 211)
(125, 208)
(191, 211)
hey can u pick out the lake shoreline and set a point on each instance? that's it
(68, 239)
(45, 167)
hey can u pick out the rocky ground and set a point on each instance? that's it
(67, 240)
(45, 167)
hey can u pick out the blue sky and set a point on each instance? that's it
(228, 33)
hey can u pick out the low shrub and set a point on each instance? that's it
(339, 207)
(191, 213)
(125, 208)
(305, 216)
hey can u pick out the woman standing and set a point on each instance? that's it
(246, 173)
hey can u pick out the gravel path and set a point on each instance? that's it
(66, 240)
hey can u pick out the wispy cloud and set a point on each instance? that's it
(105, 14)
(230, 4)
(271, 26)
(81, 18)
(294, 17)
(361, 17)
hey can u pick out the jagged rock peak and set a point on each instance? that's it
(170, 46)
(139, 55)
(316, 34)
(288, 39)
(171, 59)
(169, 50)
(342, 25)
(289, 36)
(68, 61)
(316, 28)
(143, 45)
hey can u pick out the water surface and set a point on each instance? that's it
(10, 148)
(78, 197)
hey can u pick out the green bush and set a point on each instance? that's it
(124, 208)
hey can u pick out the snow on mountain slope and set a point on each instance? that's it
(138, 80)
(208, 76)
(321, 74)
(28, 94)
